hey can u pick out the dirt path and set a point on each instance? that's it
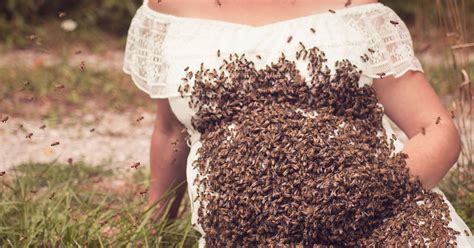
(118, 140)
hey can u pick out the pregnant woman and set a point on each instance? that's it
(286, 106)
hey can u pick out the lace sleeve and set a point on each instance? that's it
(390, 45)
(143, 58)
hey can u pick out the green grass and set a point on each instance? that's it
(62, 205)
(84, 91)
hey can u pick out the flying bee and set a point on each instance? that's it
(69, 161)
(135, 165)
(28, 136)
(52, 195)
(55, 143)
(92, 130)
(61, 14)
(289, 39)
(381, 74)
(5, 119)
(42, 126)
(140, 118)
(348, 2)
(395, 23)
(332, 11)
(437, 120)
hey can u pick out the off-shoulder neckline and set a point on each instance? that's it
(215, 22)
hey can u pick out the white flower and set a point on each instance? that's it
(69, 25)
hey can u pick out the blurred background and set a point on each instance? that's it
(61, 81)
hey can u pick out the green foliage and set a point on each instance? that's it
(62, 205)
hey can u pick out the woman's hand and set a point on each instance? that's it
(434, 142)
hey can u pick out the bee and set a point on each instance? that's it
(28, 136)
(55, 143)
(258, 56)
(61, 14)
(52, 195)
(289, 39)
(59, 86)
(423, 131)
(313, 30)
(395, 23)
(92, 130)
(140, 118)
(186, 69)
(381, 74)
(218, 53)
(69, 161)
(2, 173)
(438, 119)
(42, 126)
(332, 11)
(348, 2)
(452, 114)
(135, 165)
(78, 52)
(371, 50)
(83, 65)
(144, 192)
(394, 136)
(5, 119)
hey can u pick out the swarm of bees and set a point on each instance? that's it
(285, 161)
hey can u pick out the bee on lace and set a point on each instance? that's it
(218, 53)
(371, 50)
(92, 130)
(332, 11)
(59, 86)
(82, 65)
(301, 44)
(140, 118)
(258, 56)
(5, 119)
(438, 119)
(43, 126)
(135, 165)
(186, 69)
(452, 114)
(313, 30)
(61, 14)
(52, 195)
(2, 173)
(289, 39)
(381, 74)
(28, 136)
(348, 2)
(394, 136)
(55, 143)
(395, 23)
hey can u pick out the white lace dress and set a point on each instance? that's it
(160, 46)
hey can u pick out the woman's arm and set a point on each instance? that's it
(167, 160)
(412, 104)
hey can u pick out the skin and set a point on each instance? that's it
(409, 101)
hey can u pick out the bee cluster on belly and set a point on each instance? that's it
(287, 162)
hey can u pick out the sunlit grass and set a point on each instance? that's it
(64, 205)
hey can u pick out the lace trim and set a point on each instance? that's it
(143, 58)
(389, 43)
